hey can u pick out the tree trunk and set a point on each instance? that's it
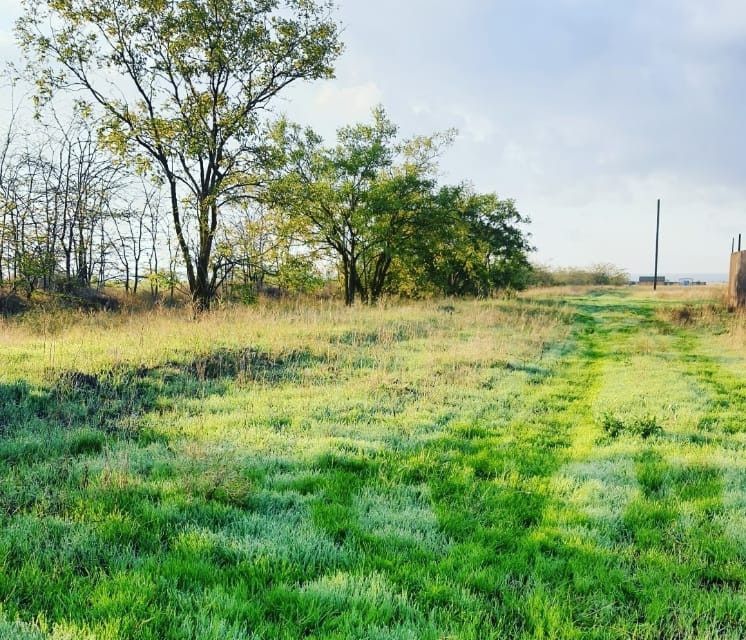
(351, 282)
(201, 297)
(349, 287)
(202, 291)
(379, 277)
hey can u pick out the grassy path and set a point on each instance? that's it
(515, 470)
(654, 489)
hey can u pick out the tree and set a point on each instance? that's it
(364, 199)
(181, 87)
(56, 188)
(132, 226)
(597, 274)
(402, 211)
(477, 247)
(7, 182)
(265, 247)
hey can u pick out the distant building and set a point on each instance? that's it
(684, 282)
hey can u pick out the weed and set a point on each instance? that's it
(643, 426)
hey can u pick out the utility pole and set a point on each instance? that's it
(657, 239)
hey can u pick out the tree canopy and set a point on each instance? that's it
(374, 202)
(180, 93)
(180, 89)
(478, 247)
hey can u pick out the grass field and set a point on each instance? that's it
(554, 466)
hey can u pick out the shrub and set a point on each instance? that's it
(643, 426)
(597, 274)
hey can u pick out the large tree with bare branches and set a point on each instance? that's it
(181, 87)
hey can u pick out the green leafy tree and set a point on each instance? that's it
(179, 87)
(477, 247)
(265, 248)
(299, 274)
(363, 199)
(33, 266)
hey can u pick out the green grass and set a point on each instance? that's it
(546, 467)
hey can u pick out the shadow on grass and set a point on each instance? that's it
(113, 401)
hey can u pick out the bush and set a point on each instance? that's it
(598, 275)
(242, 293)
(643, 426)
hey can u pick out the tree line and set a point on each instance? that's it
(72, 217)
(173, 171)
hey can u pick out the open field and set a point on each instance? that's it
(551, 466)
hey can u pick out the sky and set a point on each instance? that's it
(583, 111)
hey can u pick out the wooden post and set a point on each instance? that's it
(737, 280)
(657, 238)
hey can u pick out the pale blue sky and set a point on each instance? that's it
(585, 111)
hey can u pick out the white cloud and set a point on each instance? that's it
(329, 105)
(420, 109)
(476, 126)
(348, 104)
(718, 21)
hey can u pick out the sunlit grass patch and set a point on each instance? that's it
(600, 488)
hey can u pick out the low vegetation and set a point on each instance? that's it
(536, 467)
(595, 275)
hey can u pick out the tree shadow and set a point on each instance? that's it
(114, 400)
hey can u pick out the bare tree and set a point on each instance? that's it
(133, 235)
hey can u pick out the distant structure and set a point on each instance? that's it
(737, 280)
(682, 282)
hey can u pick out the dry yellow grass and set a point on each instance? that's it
(90, 342)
